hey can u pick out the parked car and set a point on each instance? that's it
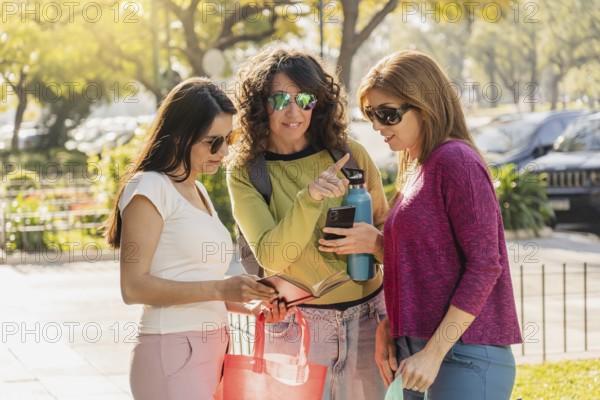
(6, 134)
(522, 138)
(573, 173)
(30, 136)
(97, 134)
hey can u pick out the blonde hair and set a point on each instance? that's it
(416, 79)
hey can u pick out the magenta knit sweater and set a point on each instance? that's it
(444, 244)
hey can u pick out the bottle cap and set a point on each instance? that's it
(356, 176)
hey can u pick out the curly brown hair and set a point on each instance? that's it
(329, 123)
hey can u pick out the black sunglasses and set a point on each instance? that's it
(217, 143)
(387, 116)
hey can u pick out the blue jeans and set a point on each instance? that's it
(468, 372)
(344, 341)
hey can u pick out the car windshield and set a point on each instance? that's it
(580, 136)
(502, 138)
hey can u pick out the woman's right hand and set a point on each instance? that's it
(361, 238)
(274, 312)
(244, 288)
(327, 183)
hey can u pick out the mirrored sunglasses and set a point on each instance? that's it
(279, 101)
(387, 116)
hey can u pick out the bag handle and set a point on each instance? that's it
(259, 341)
(337, 154)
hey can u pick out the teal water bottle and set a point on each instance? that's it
(361, 267)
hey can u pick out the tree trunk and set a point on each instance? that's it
(533, 77)
(194, 51)
(22, 96)
(348, 46)
(491, 69)
(75, 109)
(19, 89)
(352, 40)
(345, 66)
(56, 131)
(554, 90)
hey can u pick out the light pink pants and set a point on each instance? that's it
(178, 366)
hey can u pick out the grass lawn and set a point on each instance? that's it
(556, 381)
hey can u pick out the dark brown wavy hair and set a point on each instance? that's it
(183, 118)
(329, 123)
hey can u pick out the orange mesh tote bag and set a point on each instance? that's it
(273, 376)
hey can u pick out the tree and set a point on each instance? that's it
(184, 32)
(18, 65)
(72, 80)
(541, 43)
(511, 63)
(573, 39)
(442, 29)
(447, 41)
(352, 39)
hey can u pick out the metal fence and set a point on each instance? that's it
(556, 305)
(30, 217)
(26, 228)
(241, 333)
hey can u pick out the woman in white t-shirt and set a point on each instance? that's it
(175, 250)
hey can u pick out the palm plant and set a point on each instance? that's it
(522, 197)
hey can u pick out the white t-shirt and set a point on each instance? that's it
(193, 246)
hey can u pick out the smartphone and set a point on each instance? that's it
(339, 217)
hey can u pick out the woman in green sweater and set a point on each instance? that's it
(292, 112)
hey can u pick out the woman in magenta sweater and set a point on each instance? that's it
(449, 298)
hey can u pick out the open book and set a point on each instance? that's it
(294, 292)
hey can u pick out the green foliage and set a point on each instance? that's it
(31, 226)
(388, 176)
(534, 53)
(388, 179)
(558, 381)
(216, 185)
(16, 235)
(23, 170)
(110, 169)
(522, 197)
(389, 190)
(29, 186)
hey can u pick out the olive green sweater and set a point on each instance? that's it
(284, 234)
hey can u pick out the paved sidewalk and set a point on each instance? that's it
(67, 335)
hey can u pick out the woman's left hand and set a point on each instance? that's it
(420, 370)
(361, 238)
(274, 312)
